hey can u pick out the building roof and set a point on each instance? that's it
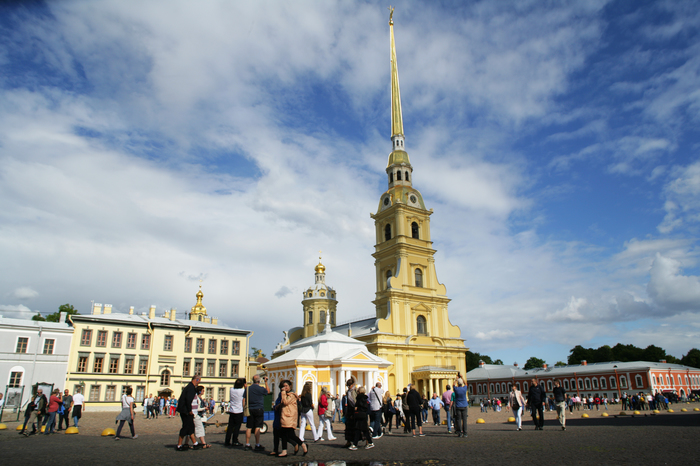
(359, 327)
(326, 347)
(497, 371)
(35, 324)
(137, 319)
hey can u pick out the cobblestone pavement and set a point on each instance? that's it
(666, 438)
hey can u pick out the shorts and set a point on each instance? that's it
(187, 425)
(255, 419)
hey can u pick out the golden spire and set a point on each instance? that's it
(199, 309)
(396, 118)
(320, 268)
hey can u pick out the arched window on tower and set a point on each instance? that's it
(323, 317)
(389, 273)
(406, 177)
(387, 232)
(421, 326)
(332, 318)
(391, 177)
(311, 317)
(414, 230)
(419, 278)
(165, 378)
(398, 176)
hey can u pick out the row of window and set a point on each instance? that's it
(415, 231)
(131, 339)
(418, 276)
(322, 320)
(398, 176)
(694, 380)
(110, 393)
(583, 384)
(23, 345)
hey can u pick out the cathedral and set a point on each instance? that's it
(411, 329)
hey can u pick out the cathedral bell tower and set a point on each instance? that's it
(319, 304)
(413, 328)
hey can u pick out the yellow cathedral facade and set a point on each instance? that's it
(411, 329)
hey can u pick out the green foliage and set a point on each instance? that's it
(560, 363)
(498, 362)
(474, 358)
(692, 359)
(619, 352)
(68, 308)
(38, 317)
(533, 363)
(256, 353)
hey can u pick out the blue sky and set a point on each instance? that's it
(145, 146)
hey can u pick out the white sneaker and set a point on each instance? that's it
(352, 447)
(369, 445)
(332, 438)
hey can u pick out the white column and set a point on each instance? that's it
(343, 380)
(370, 382)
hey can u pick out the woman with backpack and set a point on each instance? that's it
(325, 414)
(516, 403)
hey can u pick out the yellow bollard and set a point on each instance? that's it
(511, 419)
(584, 415)
(696, 409)
(622, 413)
(3, 427)
(480, 421)
(107, 432)
(19, 428)
(683, 410)
(43, 428)
(637, 412)
(72, 430)
(656, 411)
(604, 414)
(670, 411)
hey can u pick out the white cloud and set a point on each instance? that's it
(19, 311)
(682, 199)
(672, 291)
(25, 292)
(494, 335)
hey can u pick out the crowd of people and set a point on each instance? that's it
(51, 413)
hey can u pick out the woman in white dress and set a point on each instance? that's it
(199, 409)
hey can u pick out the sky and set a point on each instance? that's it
(148, 145)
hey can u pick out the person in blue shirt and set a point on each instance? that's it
(461, 406)
(436, 405)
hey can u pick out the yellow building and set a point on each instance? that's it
(411, 328)
(112, 351)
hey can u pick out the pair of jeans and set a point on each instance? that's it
(536, 410)
(307, 418)
(51, 423)
(518, 416)
(63, 417)
(375, 420)
(131, 427)
(424, 413)
(235, 420)
(561, 413)
(436, 416)
(461, 420)
(449, 418)
(322, 419)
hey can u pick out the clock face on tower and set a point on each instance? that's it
(386, 201)
(413, 199)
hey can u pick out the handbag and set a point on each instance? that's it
(246, 410)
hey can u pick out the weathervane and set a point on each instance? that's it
(391, 15)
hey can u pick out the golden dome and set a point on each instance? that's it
(320, 268)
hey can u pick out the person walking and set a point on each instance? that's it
(256, 416)
(560, 403)
(184, 407)
(424, 408)
(376, 396)
(388, 410)
(413, 400)
(447, 405)
(349, 412)
(199, 409)
(54, 403)
(361, 418)
(460, 405)
(398, 406)
(78, 406)
(516, 403)
(126, 414)
(65, 415)
(307, 412)
(325, 414)
(436, 405)
(34, 413)
(235, 413)
(535, 401)
(288, 419)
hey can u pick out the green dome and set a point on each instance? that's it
(398, 157)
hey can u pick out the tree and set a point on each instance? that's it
(692, 359)
(533, 363)
(498, 362)
(67, 308)
(256, 353)
(579, 353)
(472, 360)
(39, 317)
(560, 363)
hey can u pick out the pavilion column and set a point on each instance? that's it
(342, 382)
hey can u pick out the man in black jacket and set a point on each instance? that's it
(415, 402)
(184, 407)
(535, 401)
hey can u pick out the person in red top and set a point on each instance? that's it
(324, 416)
(54, 403)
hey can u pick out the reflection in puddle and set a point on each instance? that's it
(366, 463)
